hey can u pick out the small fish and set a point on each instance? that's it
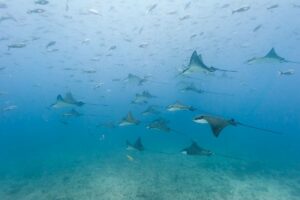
(50, 44)
(4, 38)
(193, 36)
(172, 13)
(127, 40)
(112, 47)
(95, 59)
(3, 5)
(296, 6)
(152, 8)
(257, 28)
(34, 38)
(287, 72)
(98, 85)
(69, 69)
(64, 122)
(225, 5)
(116, 79)
(5, 18)
(184, 17)
(242, 9)
(273, 6)
(187, 5)
(38, 10)
(85, 41)
(9, 108)
(89, 71)
(109, 125)
(102, 137)
(129, 120)
(2, 68)
(16, 46)
(94, 11)
(41, 2)
(130, 158)
(67, 6)
(52, 50)
(144, 45)
(141, 30)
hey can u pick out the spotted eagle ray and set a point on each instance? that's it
(129, 120)
(66, 101)
(136, 80)
(151, 110)
(177, 106)
(137, 145)
(194, 149)
(109, 125)
(217, 124)
(159, 124)
(197, 65)
(139, 81)
(192, 88)
(270, 57)
(141, 98)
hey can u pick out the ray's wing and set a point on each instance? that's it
(272, 54)
(69, 98)
(217, 125)
(129, 116)
(195, 59)
(59, 98)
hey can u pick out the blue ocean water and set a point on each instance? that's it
(106, 54)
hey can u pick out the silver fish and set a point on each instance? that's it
(38, 10)
(41, 2)
(242, 9)
(16, 46)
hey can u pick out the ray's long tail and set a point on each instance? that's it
(261, 129)
(225, 70)
(217, 93)
(229, 156)
(182, 134)
(294, 62)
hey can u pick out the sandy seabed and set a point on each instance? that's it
(151, 176)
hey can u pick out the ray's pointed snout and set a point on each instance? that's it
(210, 153)
(233, 122)
(80, 103)
(200, 119)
